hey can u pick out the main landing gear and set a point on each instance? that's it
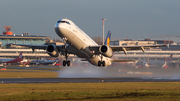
(101, 63)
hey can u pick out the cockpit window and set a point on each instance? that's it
(63, 22)
(67, 22)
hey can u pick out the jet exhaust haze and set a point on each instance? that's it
(81, 70)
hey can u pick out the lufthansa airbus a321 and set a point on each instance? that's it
(80, 44)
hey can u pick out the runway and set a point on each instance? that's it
(89, 74)
(85, 80)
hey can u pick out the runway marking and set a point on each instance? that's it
(146, 73)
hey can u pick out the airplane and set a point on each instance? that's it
(77, 42)
(16, 60)
(44, 62)
(154, 63)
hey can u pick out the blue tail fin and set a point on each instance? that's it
(107, 41)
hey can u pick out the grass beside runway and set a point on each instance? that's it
(29, 73)
(163, 91)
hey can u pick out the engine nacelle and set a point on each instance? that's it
(106, 51)
(52, 51)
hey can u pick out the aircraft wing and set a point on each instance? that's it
(60, 48)
(33, 46)
(129, 48)
(125, 48)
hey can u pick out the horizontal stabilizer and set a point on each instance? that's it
(121, 60)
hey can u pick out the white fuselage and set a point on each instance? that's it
(78, 41)
(5, 60)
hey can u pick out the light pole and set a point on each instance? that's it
(103, 28)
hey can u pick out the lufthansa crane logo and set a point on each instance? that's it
(108, 41)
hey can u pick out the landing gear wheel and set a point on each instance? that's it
(64, 63)
(99, 63)
(103, 63)
(68, 63)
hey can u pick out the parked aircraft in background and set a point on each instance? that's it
(79, 43)
(44, 62)
(16, 60)
(151, 63)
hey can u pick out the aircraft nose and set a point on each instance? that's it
(56, 28)
(57, 25)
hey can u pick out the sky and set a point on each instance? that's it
(135, 19)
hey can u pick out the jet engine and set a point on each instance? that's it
(52, 51)
(106, 51)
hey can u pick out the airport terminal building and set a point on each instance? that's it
(128, 42)
(25, 38)
(7, 50)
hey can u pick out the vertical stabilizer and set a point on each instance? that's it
(170, 57)
(107, 41)
(20, 56)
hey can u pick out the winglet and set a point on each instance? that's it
(107, 41)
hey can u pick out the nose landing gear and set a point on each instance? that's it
(66, 62)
